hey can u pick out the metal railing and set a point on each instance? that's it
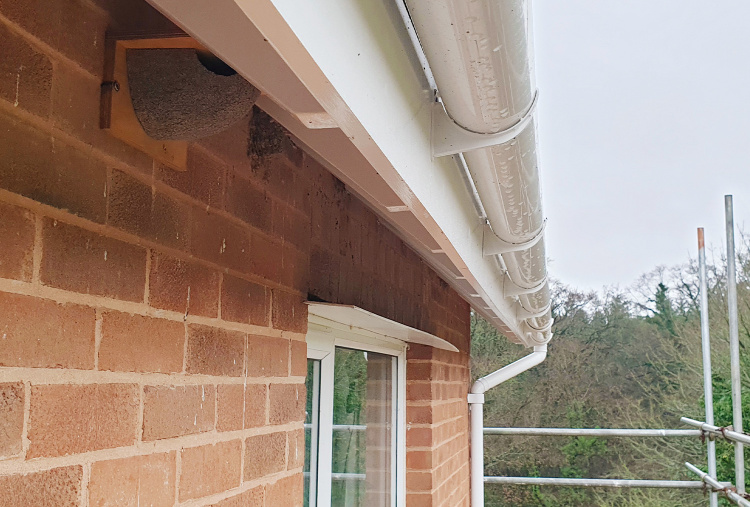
(733, 434)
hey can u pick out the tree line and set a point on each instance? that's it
(627, 358)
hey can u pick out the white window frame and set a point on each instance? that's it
(323, 337)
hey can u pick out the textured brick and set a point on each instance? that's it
(216, 239)
(182, 286)
(75, 110)
(299, 358)
(266, 257)
(289, 312)
(296, 449)
(11, 418)
(59, 487)
(243, 301)
(176, 411)
(210, 469)
(139, 480)
(25, 74)
(213, 351)
(264, 455)
(134, 207)
(267, 357)
(239, 402)
(38, 333)
(203, 179)
(286, 492)
(70, 419)
(102, 266)
(248, 203)
(170, 222)
(17, 253)
(287, 403)
(50, 172)
(249, 498)
(71, 27)
(142, 344)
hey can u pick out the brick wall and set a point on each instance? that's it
(152, 322)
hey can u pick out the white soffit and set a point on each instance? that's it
(316, 60)
(356, 318)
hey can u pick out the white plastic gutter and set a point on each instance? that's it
(480, 57)
(476, 407)
(479, 54)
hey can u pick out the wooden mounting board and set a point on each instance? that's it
(117, 114)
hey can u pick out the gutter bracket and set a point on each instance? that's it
(523, 313)
(493, 245)
(449, 138)
(510, 289)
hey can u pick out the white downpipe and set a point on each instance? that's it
(476, 407)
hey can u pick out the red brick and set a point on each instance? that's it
(50, 172)
(267, 357)
(419, 481)
(213, 351)
(286, 492)
(134, 207)
(82, 261)
(216, 239)
(296, 448)
(129, 203)
(142, 344)
(75, 110)
(237, 402)
(295, 269)
(231, 146)
(11, 418)
(287, 403)
(419, 460)
(25, 74)
(59, 487)
(289, 312)
(248, 203)
(210, 469)
(176, 411)
(70, 419)
(299, 358)
(203, 180)
(139, 480)
(243, 301)
(419, 437)
(230, 405)
(264, 455)
(170, 222)
(17, 253)
(249, 498)
(71, 27)
(266, 259)
(37, 333)
(182, 286)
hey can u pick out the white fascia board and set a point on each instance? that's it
(355, 59)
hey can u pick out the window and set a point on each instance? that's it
(354, 424)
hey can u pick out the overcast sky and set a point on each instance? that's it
(644, 125)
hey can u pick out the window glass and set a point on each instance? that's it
(312, 416)
(363, 443)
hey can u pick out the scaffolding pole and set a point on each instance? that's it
(593, 483)
(725, 488)
(706, 350)
(592, 432)
(730, 435)
(734, 346)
